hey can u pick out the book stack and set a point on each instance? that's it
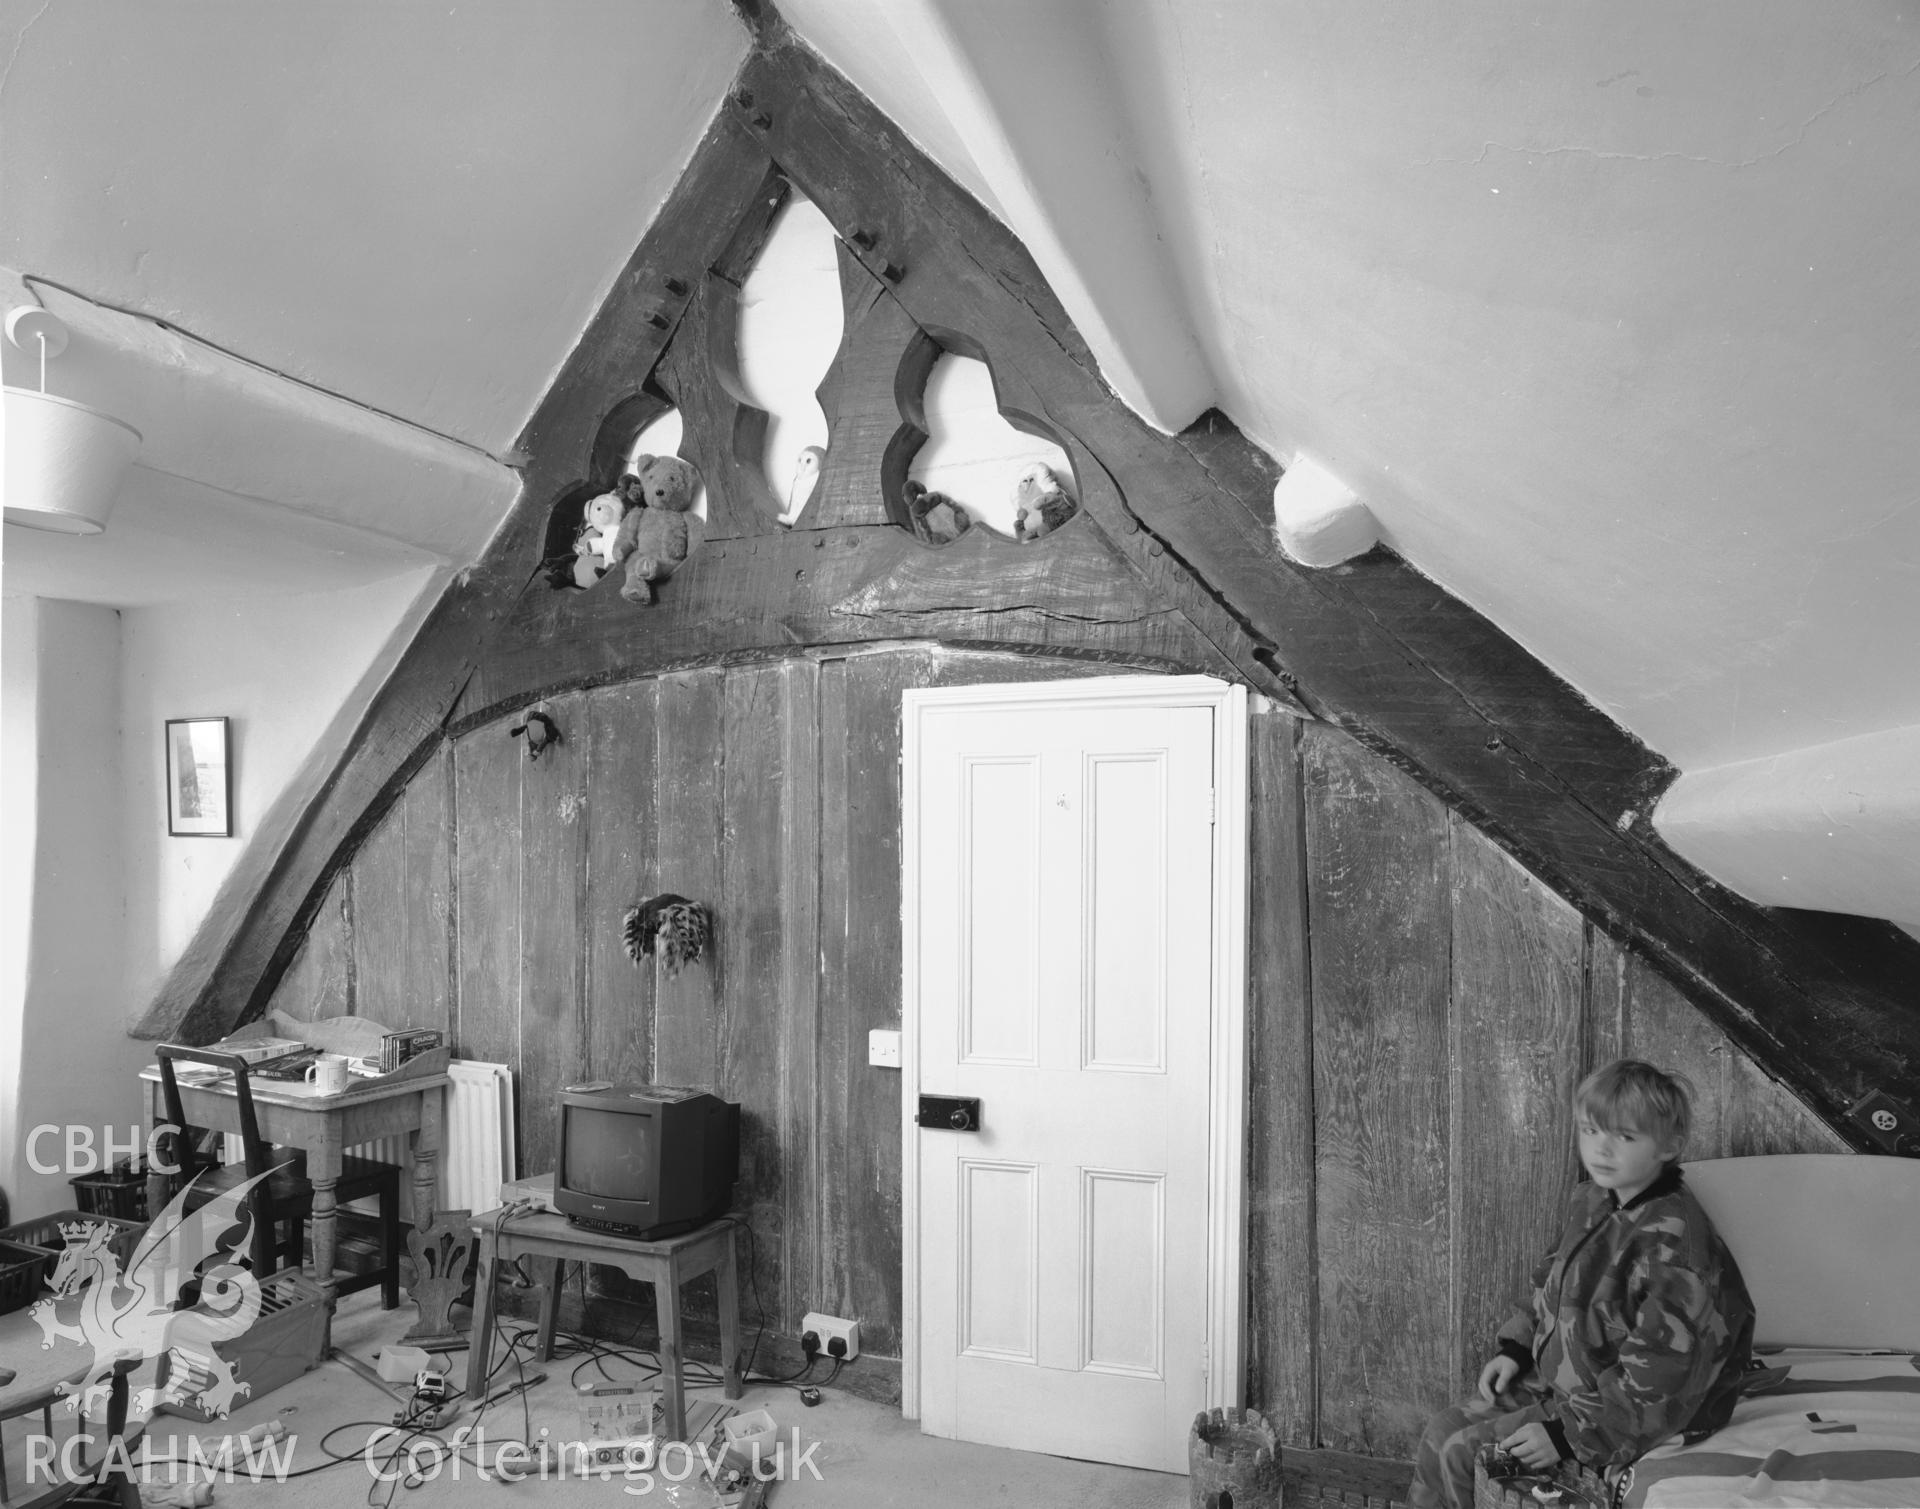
(398, 1048)
(257, 1050)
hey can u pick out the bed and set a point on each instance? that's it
(1829, 1245)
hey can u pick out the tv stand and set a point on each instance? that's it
(667, 1264)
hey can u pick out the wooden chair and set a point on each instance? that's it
(286, 1195)
(97, 1479)
(44, 1404)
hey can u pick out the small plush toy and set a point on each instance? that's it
(606, 535)
(806, 477)
(1040, 504)
(667, 487)
(937, 519)
(541, 732)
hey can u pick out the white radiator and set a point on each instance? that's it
(476, 1142)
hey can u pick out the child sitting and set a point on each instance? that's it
(1640, 1324)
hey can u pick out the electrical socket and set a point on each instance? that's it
(1888, 1122)
(830, 1328)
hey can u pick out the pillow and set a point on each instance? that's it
(1825, 1242)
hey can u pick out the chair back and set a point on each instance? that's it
(169, 1054)
(266, 1222)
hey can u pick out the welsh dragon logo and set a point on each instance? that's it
(150, 1310)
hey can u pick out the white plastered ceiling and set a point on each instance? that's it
(327, 259)
(1606, 312)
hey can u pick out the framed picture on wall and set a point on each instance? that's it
(199, 779)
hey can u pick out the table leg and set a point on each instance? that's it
(727, 1278)
(323, 1168)
(425, 1142)
(666, 1309)
(159, 1185)
(550, 1306)
(119, 1478)
(480, 1351)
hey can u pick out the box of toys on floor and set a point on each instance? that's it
(620, 1430)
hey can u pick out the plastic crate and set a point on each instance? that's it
(114, 1192)
(23, 1273)
(45, 1232)
(289, 1338)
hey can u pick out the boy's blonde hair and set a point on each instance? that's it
(1631, 1095)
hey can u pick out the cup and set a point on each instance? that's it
(328, 1074)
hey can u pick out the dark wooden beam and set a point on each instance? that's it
(1373, 646)
(230, 969)
(1173, 564)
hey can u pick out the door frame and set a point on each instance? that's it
(1227, 1061)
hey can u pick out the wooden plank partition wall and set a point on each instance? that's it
(1421, 1005)
(1413, 1060)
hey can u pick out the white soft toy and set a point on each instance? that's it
(1040, 504)
(604, 514)
(598, 547)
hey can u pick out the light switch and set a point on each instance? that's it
(883, 1048)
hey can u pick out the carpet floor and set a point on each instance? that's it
(846, 1452)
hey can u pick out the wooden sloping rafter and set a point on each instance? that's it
(1171, 564)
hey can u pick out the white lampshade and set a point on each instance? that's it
(65, 462)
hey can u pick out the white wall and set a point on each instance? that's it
(76, 1064)
(99, 901)
(294, 675)
(790, 327)
(19, 770)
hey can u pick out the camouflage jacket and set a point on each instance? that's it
(1640, 1325)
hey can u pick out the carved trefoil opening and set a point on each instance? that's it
(961, 459)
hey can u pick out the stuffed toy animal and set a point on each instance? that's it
(937, 519)
(1040, 504)
(599, 528)
(541, 731)
(667, 487)
(806, 477)
(607, 531)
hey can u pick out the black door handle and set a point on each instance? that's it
(949, 1113)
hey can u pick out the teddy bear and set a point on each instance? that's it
(1040, 504)
(666, 490)
(937, 519)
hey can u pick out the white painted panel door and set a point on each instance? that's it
(1064, 929)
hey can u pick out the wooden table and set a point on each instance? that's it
(296, 1115)
(667, 1265)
